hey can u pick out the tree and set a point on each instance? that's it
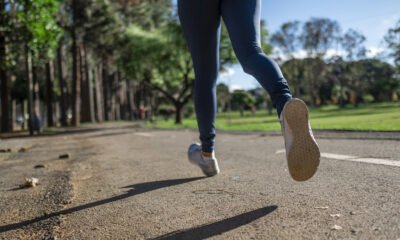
(223, 96)
(379, 78)
(353, 43)
(76, 72)
(392, 39)
(338, 70)
(6, 123)
(286, 39)
(50, 92)
(242, 100)
(62, 85)
(265, 38)
(167, 67)
(150, 14)
(315, 76)
(227, 55)
(40, 33)
(319, 35)
(293, 70)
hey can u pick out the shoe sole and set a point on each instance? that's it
(303, 155)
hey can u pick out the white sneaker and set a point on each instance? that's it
(302, 150)
(209, 165)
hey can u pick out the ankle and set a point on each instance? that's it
(207, 154)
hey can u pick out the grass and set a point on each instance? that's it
(368, 117)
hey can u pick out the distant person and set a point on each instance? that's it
(201, 22)
(141, 112)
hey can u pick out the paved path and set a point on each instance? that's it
(129, 183)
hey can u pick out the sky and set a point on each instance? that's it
(370, 17)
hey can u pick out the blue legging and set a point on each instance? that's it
(201, 21)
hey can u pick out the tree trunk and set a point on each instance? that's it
(5, 82)
(87, 94)
(23, 112)
(84, 86)
(117, 96)
(89, 77)
(76, 88)
(113, 102)
(342, 104)
(98, 80)
(13, 112)
(178, 113)
(28, 65)
(50, 93)
(123, 99)
(106, 93)
(76, 74)
(130, 91)
(36, 101)
(63, 86)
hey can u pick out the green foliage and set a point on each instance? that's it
(242, 99)
(353, 43)
(392, 41)
(165, 111)
(265, 38)
(319, 34)
(227, 55)
(344, 79)
(175, 62)
(141, 51)
(100, 27)
(380, 79)
(150, 14)
(38, 26)
(189, 110)
(32, 22)
(223, 96)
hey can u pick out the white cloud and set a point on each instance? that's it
(300, 54)
(371, 52)
(374, 51)
(334, 52)
(303, 54)
(234, 87)
(227, 72)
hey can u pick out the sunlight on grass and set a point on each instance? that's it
(372, 117)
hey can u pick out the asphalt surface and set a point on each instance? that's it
(128, 183)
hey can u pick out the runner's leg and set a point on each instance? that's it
(200, 20)
(242, 19)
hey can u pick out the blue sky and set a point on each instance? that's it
(372, 18)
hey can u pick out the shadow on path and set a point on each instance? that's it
(216, 228)
(135, 189)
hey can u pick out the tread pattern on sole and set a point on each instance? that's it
(303, 154)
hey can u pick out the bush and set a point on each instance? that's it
(189, 111)
(166, 111)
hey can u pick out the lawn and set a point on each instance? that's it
(370, 117)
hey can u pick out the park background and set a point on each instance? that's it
(64, 63)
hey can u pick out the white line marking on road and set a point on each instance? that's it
(143, 134)
(280, 151)
(379, 161)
